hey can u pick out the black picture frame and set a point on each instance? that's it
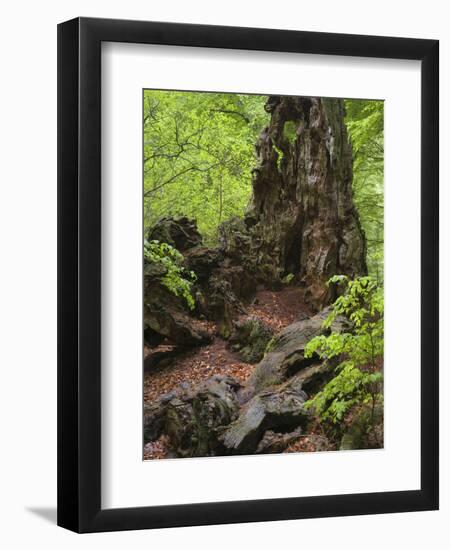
(79, 274)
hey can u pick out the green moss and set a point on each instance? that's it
(225, 329)
(279, 157)
(290, 131)
(270, 345)
(288, 278)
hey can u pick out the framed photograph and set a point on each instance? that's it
(248, 275)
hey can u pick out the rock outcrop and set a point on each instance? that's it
(285, 354)
(192, 417)
(222, 417)
(249, 338)
(180, 232)
(166, 316)
(278, 408)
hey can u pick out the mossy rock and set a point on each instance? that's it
(285, 353)
(180, 232)
(192, 416)
(280, 409)
(250, 338)
(358, 433)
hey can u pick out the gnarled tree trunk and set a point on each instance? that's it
(302, 218)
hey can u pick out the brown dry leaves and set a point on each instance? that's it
(194, 367)
(310, 443)
(157, 449)
(278, 309)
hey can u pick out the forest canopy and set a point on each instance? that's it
(199, 152)
(198, 155)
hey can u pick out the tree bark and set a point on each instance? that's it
(302, 218)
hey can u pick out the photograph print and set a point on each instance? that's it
(263, 292)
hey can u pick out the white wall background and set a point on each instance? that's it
(28, 270)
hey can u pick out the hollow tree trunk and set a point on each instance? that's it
(302, 218)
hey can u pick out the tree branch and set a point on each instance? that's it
(230, 112)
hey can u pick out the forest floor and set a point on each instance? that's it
(277, 309)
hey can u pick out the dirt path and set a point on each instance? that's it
(194, 366)
(277, 309)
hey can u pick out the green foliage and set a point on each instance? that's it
(198, 155)
(358, 379)
(290, 131)
(365, 125)
(199, 152)
(280, 156)
(287, 279)
(174, 276)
